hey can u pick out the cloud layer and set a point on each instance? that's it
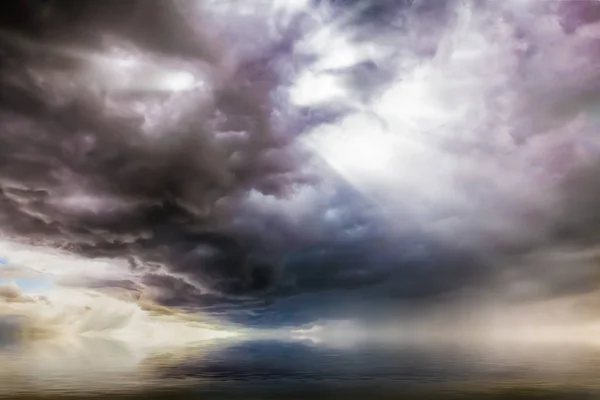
(248, 154)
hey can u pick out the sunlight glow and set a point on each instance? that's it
(69, 309)
(313, 89)
(354, 151)
(134, 73)
(177, 81)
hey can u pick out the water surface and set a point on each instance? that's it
(285, 369)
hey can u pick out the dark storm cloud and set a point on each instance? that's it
(82, 172)
(81, 167)
(208, 191)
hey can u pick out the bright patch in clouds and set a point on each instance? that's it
(74, 310)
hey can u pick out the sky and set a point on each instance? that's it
(33, 286)
(281, 162)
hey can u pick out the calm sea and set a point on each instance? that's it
(279, 369)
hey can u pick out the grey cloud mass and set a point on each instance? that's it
(174, 135)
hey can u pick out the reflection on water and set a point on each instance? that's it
(87, 365)
(259, 369)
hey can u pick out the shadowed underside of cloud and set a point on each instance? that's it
(286, 155)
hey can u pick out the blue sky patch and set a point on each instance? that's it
(29, 285)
